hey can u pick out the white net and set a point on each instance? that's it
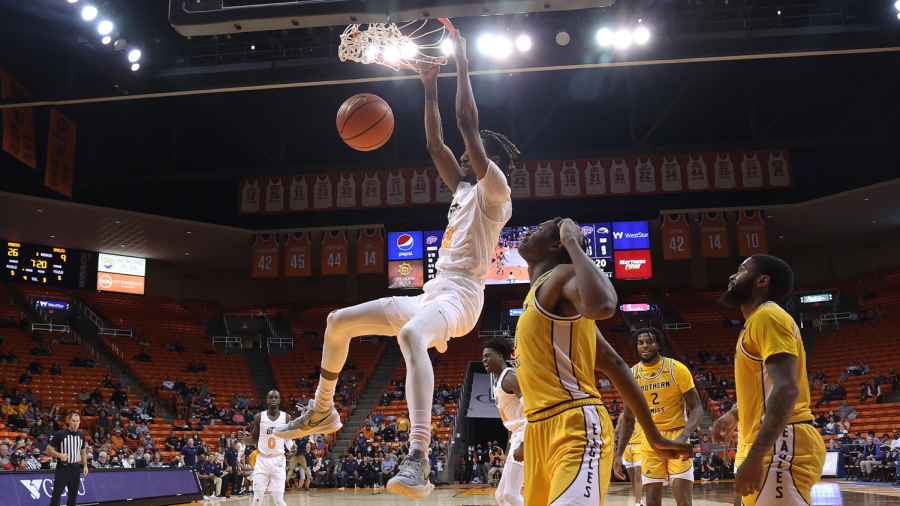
(406, 46)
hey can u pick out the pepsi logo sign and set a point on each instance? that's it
(405, 242)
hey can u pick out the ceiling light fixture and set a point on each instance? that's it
(563, 37)
(105, 27)
(523, 43)
(641, 35)
(447, 46)
(106, 40)
(781, 237)
(135, 67)
(89, 12)
(605, 37)
(623, 39)
(134, 55)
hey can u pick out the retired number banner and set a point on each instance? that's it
(18, 123)
(635, 175)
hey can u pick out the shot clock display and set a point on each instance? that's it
(30, 263)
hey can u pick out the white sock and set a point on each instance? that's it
(324, 399)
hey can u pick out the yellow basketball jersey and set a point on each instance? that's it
(555, 358)
(638, 434)
(664, 386)
(768, 331)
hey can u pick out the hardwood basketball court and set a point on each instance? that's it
(825, 493)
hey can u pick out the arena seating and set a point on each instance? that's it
(159, 320)
(7, 310)
(51, 390)
(206, 309)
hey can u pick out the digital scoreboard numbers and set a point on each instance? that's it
(42, 265)
(600, 246)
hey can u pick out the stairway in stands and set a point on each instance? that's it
(258, 362)
(380, 378)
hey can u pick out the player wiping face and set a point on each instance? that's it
(568, 442)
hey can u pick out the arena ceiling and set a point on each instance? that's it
(717, 76)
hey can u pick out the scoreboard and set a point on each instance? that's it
(29, 263)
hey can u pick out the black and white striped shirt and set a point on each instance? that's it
(70, 443)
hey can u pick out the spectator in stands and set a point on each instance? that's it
(842, 425)
(77, 361)
(820, 420)
(852, 370)
(865, 392)
(858, 440)
(143, 357)
(446, 420)
(107, 382)
(709, 471)
(894, 378)
(303, 384)
(870, 457)
(142, 342)
(180, 347)
(202, 367)
(25, 379)
(604, 383)
(56, 370)
(36, 336)
(102, 461)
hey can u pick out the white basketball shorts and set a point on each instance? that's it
(459, 298)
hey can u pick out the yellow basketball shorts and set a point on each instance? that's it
(568, 458)
(632, 455)
(795, 465)
(656, 469)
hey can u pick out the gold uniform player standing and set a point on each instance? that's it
(780, 454)
(568, 439)
(668, 388)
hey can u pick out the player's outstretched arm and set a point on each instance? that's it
(610, 363)
(723, 428)
(511, 385)
(623, 433)
(466, 111)
(782, 370)
(443, 158)
(589, 290)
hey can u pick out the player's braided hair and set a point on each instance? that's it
(658, 336)
(499, 145)
(501, 345)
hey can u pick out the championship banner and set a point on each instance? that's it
(60, 153)
(18, 123)
(636, 175)
(751, 233)
(265, 256)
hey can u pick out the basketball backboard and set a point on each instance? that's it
(216, 17)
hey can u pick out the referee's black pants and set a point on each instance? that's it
(67, 476)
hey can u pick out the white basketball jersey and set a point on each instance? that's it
(473, 230)
(671, 175)
(544, 184)
(645, 176)
(396, 189)
(322, 196)
(511, 409)
(520, 182)
(270, 445)
(443, 193)
(371, 191)
(751, 171)
(275, 196)
(594, 179)
(421, 188)
(697, 179)
(724, 171)
(299, 195)
(778, 170)
(619, 178)
(250, 197)
(569, 180)
(346, 194)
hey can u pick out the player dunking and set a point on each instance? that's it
(508, 397)
(568, 439)
(668, 388)
(452, 301)
(780, 454)
(269, 469)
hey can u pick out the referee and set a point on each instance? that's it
(68, 447)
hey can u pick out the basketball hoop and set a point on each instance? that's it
(398, 47)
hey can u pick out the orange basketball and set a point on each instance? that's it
(365, 122)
